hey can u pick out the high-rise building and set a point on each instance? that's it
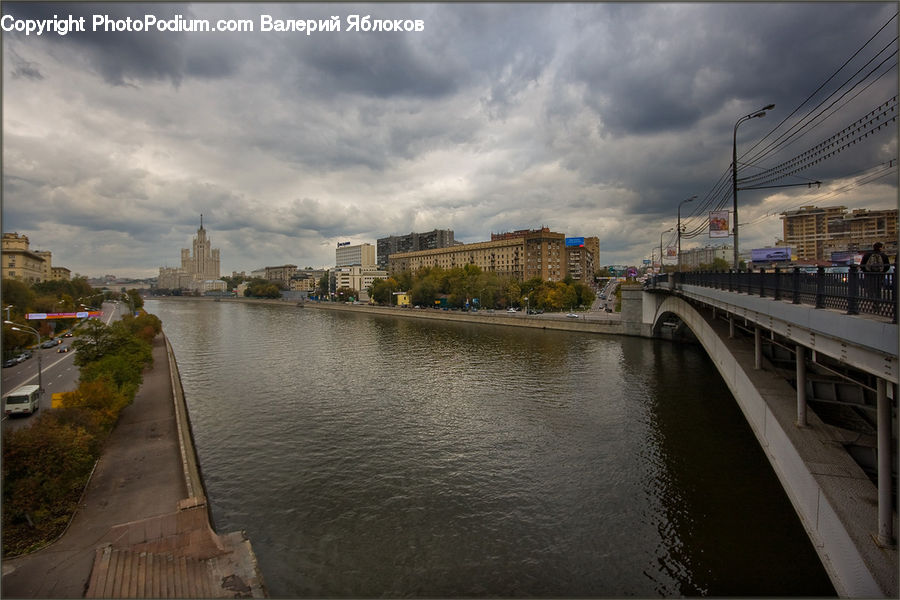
(200, 264)
(413, 242)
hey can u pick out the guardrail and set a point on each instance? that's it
(853, 291)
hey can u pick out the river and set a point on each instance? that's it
(377, 456)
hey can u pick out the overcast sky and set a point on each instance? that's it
(590, 119)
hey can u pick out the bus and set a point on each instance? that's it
(24, 400)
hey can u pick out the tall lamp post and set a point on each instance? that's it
(17, 327)
(670, 229)
(759, 113)
(679, 228)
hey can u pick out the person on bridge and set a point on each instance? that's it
(874, 264)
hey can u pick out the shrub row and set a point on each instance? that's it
(47, 464)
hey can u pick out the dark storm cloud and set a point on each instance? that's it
(123, 57)
(593, 119)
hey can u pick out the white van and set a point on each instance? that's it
(23, 400)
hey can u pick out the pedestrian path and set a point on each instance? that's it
(138, 532)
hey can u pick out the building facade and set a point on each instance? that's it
(356, 277)
(413, 242)
(360, 254)
(22, 263)
(521, 255)
(198, 264)
(693, 258)
(815, 233)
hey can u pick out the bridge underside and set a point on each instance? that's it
(826, 455)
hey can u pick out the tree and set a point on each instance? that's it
(19, 295)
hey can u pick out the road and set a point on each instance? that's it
(58, 372)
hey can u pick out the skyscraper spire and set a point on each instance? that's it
(201, 220)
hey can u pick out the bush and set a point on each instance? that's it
(47, 465)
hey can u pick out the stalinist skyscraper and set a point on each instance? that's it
(199, 269)
(204, 264)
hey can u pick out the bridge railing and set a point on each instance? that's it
(853, 291)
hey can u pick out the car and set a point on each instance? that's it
(24, 356)
(11, 362)
(572, 316)
(48, 344)
(67, 334)
(63, 349)
(511, 310)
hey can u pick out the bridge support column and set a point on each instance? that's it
(730, 326)
(757, 349)
(885, 453)
(800, 356)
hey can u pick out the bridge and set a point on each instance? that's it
(812, 360)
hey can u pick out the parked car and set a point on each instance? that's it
(10, 362)
(24, 356)
(48, 344)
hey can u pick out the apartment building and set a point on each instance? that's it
(413, 242)
(815, 233)
(521, 255)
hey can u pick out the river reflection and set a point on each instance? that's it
(377, 456)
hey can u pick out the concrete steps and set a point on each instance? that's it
(130, 574)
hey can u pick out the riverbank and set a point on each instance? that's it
(143, 526)
(593, 321)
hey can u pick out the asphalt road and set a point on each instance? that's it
(58, 372)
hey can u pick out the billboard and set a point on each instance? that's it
(575, 241)
(718, 224)
(71, 315)
(849, 257)
(671, 251)
(761, 255)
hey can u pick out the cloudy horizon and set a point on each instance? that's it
(590, 119)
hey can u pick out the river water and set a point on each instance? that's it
(380, 456)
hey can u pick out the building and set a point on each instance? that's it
(306, 280)
(356, 277)
(521, 255)
(281, 274)
(413, 242)
(31, 266)
(199, 264)
(361, 254)
(695, 257)
(815, 233)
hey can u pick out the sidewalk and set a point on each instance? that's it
(136, 509)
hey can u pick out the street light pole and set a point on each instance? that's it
(679, 229)
(759, 113)
(660, 248)
(17, 327)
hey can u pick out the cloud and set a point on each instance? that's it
(591, 119)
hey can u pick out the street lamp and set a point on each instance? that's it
(679, 229)
(759, 113)
(17, 327)
(670, 229)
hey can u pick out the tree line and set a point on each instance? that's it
(47, 465)
(470, 285)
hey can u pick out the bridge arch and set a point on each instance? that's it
(769, 402)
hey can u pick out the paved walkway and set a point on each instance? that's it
(136, 513)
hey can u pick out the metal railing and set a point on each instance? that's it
(853, 291)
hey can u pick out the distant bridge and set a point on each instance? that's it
(812, 360)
